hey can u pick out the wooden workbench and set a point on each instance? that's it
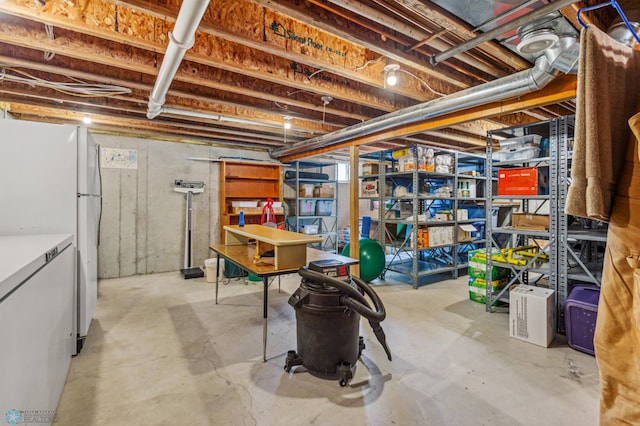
(243, 255)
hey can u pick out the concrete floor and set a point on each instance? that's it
(161, 352)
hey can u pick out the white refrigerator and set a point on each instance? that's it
(51, 184)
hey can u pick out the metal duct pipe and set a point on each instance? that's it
(507, 87)
(491, 34)
(180, 40)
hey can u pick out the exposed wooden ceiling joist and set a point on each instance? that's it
(319, 63)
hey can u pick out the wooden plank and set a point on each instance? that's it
(277, 237)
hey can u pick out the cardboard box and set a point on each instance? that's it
(523, 181)
(533, 222)
(478, 288)
(532, 314)
(406, 163)
(440, 235)
(369, 188)
(476, 270)
(305, 190)
(323, 191)
(370, 169)
(443, 215)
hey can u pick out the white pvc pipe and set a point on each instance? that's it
(181, 39)
(216, 117)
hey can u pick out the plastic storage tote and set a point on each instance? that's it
(580, 313)
(324, 207)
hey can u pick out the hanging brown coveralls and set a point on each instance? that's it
(605, 173)
(617, 336)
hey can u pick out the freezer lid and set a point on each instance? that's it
(23, 255)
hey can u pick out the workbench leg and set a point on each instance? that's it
(265, 281)
(217, 275)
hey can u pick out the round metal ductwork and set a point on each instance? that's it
(563, 55)
(619, 31)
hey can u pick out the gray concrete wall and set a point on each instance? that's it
(143, 219)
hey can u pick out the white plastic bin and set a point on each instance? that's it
(210, 270)
(324, 207)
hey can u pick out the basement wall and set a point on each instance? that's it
(143, 219)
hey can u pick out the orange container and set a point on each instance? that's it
(518, 181)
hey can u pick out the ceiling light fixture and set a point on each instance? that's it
(390, 77)
(86, 119)
(391, 71)
(325, 101)
(287, 126)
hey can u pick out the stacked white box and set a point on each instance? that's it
(532, 314)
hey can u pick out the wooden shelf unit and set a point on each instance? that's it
(247, 181)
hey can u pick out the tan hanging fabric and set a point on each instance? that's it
(608, 84)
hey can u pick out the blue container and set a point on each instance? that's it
(580, 313)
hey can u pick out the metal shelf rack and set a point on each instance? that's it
(409, 196)
(327, 224)
(575, 251)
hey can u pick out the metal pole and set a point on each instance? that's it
(188, 243)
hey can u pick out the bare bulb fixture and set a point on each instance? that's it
(390, 74)
(86, 119)
(287, 123)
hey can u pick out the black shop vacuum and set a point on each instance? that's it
(328, 304)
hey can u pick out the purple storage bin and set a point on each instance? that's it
(580, 313)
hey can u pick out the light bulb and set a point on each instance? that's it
(392, 79)
(86, 119)
(287, 125)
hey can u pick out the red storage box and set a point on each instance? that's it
(580, 313)
(523, 181)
